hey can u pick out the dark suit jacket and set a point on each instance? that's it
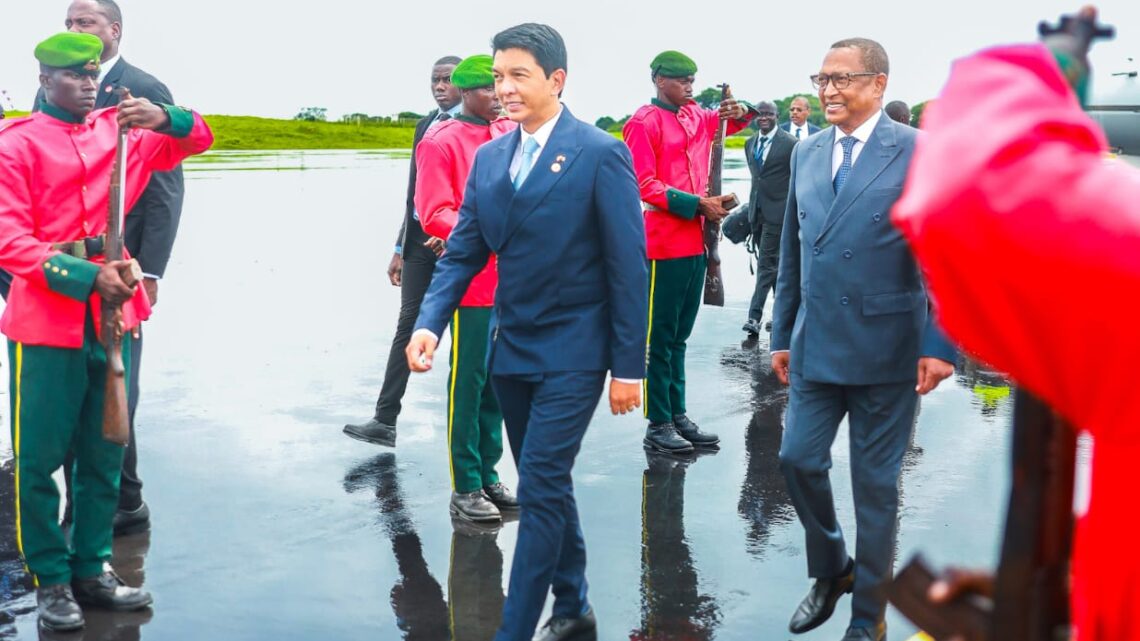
(851, 304)
(811, 128)
(152, 224)
(573, 284)
(410, 230)
(769, 195)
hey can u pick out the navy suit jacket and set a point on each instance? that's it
(573, 285)
(851, 304)
(811, 128)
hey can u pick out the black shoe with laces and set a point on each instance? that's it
(663, 437)
(58, 611)
(109, 592)
(693, 434)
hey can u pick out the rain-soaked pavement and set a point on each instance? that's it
(268, 523)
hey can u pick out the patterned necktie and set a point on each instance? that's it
(799, 133)
(529, 147)
(848, 143)
(760, 149)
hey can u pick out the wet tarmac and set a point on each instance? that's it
(268, 523)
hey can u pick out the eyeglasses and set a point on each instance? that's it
(838, 80)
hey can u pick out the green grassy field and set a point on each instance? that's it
(248, 133)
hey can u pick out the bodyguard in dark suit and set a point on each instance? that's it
(797, 124)
(852, 334)
(410, 270)
(150, 226)
(769, 156)
(558, 203)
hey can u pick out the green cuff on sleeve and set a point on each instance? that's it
(181, 121)
(73, 277)
(683, 203)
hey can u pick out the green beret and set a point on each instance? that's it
(78, 52)
(673, 64)
(473, 72)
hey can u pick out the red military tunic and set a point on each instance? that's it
(670, 149)
(443, 161)
(1030, 240)
(55, 179)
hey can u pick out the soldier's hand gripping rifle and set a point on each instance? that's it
(116, 421)
(714, 285)
(1031, 590)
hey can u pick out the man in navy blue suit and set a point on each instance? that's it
(558, 203)
(798, 112)
(851, 333)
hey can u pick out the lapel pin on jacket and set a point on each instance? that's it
(557, 166)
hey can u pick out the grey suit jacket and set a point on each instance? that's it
(152, 224)
(769, 195)
(850, 300)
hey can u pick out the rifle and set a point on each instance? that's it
(714, 285)
(116, 421)
(1031, 590)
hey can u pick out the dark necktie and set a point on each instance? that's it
(848, 143)
(760, 149)
(799, 133)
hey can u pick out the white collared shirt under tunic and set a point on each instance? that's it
(862, 134)
(541, 136)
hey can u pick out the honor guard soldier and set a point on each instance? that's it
(55, 174)
(670, 140)
(474, 421)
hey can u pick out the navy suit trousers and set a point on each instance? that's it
(880, 419)
(546, 416)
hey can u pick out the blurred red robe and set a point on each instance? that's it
(1030, 240)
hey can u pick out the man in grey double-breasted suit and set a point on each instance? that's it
(851, 333)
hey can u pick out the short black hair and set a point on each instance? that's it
(898, 111)
(542, 41)
(448, 60)
(874, 56)
(111, 10)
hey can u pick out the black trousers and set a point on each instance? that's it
(767, 262)
(419, 263)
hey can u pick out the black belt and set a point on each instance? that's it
(84, 247)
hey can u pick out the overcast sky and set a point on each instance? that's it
(271, 59)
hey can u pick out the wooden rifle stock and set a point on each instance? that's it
(714, 285)
(116, 420)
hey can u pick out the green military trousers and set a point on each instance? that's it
(675, 289)
(474, 420)
(57, 405)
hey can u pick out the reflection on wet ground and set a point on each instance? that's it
(268, 523)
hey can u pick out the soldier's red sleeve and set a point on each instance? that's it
(1029, 236)
(437, 201)
(187, 135)
(712, 120)
(641, 136)
(21, 252)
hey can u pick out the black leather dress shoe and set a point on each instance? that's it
(583, 628)
(132, 521)
(57, 609)
(475, 507)
(693, 434)
(502, 497)
(820, 601)
(752, 327)
(663, 437)
(877, 633)
(109, 592)
(373, 432)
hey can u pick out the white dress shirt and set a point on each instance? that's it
(861, 135)
(105, 67)
(804, 132)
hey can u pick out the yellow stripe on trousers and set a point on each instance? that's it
(649, 336)
(18, 371)
(451, 395)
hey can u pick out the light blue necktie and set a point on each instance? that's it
(529, 148)
(845, 167)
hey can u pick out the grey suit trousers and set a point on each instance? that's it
(881, 419)
(767, 264)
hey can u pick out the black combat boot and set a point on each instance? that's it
(663, 437)
(109, 592)
(57, 608)
(475, 507)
